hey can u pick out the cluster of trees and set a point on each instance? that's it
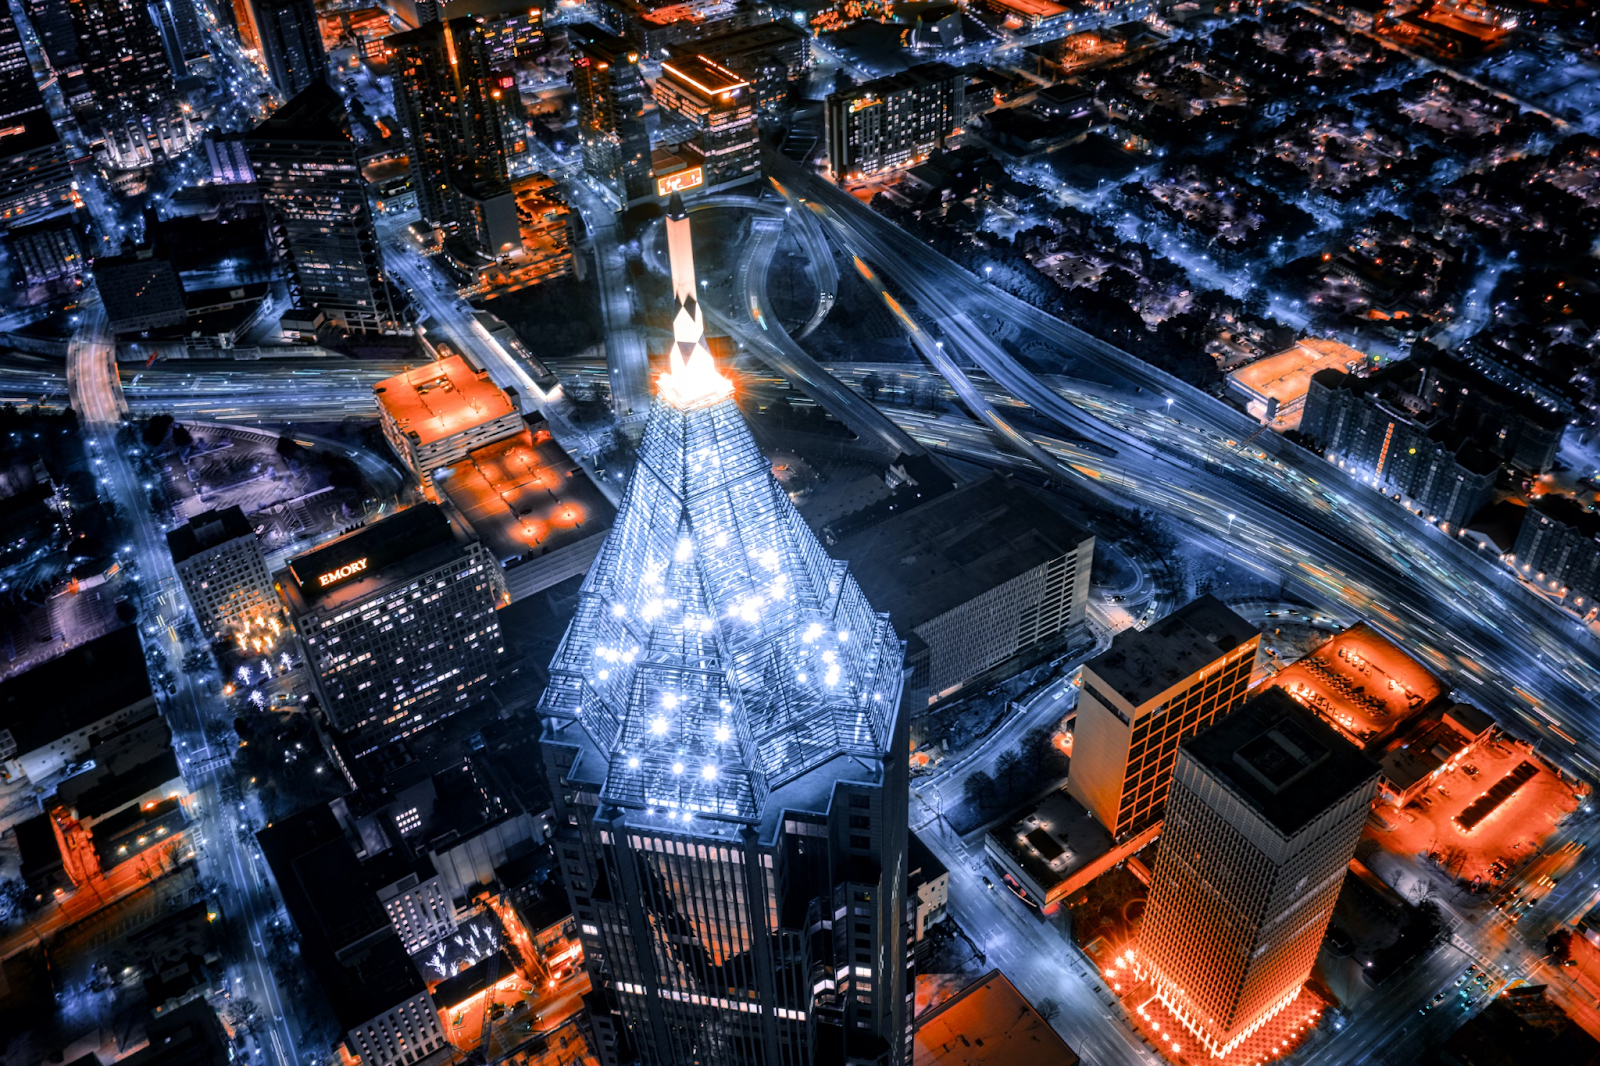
(1020, 774)
(556, 318)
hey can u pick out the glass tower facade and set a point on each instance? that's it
(726, 749)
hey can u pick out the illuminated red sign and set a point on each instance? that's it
(692, 178)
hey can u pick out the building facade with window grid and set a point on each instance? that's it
(1266, 809)
(894, 121)
(223, 571)
(403, 632)
(1141, 699)
(724, 743)
(722, 108)
(611, 94)
(419, 908)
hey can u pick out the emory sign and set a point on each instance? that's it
(347, 570)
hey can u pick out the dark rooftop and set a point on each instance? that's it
(318, 113)
(921, 861)
(1143, 663)
(1281, 760)
(206, 531)
(127, 765)
(401, 536)
(75, 689)
(942, 553)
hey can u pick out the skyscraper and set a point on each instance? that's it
(611, 93)
(311, 186)
(1150, 691)
(130, 77)
(52, 23)
(723, 735)
(444, 87)
(35, 177)
(1265, 812)
(893, 121)
(722, 109)
(291, 43)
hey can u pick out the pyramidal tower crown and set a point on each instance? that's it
(717, 651)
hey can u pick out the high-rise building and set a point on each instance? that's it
(893, 121)
(398, 622)
(58, 39)
(444, 97)
(179, 27)
(35, 178)
(131, 79)
(49, 250)
(291, 43)
(1266, 808)
(722, 109)
(611, 93)
(724, 740)
(1559, 547)
(223, 571)
(770, 55)
(141, 289)
(1152, 690)
(434, 415)
(307, 169)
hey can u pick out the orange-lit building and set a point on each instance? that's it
(533, 507)
(1265, 811)
(989, 1023)
(434, 415)
(894, 121)
(545, 222)
(722, 107)
(1362, 685)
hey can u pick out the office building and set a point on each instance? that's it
(306, 166)
(720, 107)
(58, 39)
(724, 742)
(611, 93)
(770, 56)
(223, 571)
(418, 907)
(141, 289)
(997, 571)
(894, 121)
(1558, 547)
(90, 689)
(291, 43)
(398, 623)
(1362, 685)
(1379, 429)
(35, 178)
(1152, 690)
(377, 996)
(1266, 808)
(445, 88)
(930, 892)
(48, 250)
(434, 415)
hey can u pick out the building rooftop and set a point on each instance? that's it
(1033, 9)
(707, 75)
(1053, 840)
(764, 35)
(1286, 376)
(989, 1023)
(594, 39)
(922, 862)
(1281, 760)
(206, 531)
(1143, 663)
(79, 687)
(911, 78)
(1422, 755)
(1362, 684)
(525, 494)
(317, 113)
(939, 554)
(352, 565)
(440, 399)
(127, 765)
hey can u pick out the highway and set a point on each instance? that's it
(1292, 510)
(97, 397)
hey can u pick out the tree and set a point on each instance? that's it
(181, 436)
(1011, 772)
(155, 429)
(979, 788)
(1048, 1008)
(288, 447)
(873, 385)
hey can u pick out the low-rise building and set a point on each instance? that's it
(989, 1023)
(223, 570)
(1362, 685)
(930, 890)
(975, 577)
(1274, 389)
(1429, 748)
(894, 121)
(398, 623)
(434, 415)
(89, 690)
(532, 506)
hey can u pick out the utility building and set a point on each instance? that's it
(1152, 690)
(1266, 808)
(723, 735)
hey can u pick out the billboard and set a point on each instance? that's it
(681, 181)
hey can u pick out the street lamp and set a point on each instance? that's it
(1230, 523)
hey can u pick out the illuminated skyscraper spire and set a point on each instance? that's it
(722, 727)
